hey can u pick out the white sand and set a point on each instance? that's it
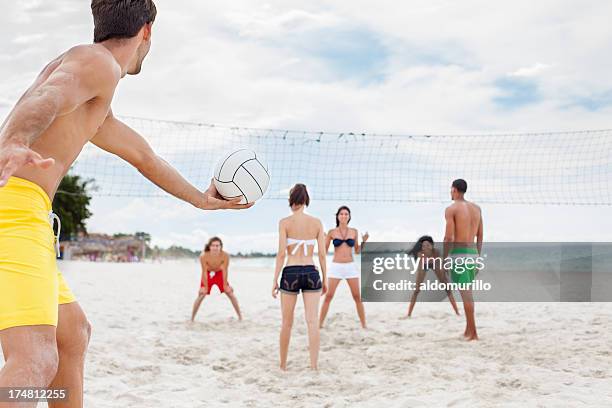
(144, 353)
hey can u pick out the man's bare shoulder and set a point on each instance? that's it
(95, 61)
(451, 208)
(95, 54)
(475, 206)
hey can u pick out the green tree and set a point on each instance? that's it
(71, 204)
(143, 236)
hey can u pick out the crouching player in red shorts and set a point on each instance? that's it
(215, 267)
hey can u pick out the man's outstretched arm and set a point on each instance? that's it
(116, 137)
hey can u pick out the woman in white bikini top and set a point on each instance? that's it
(298, 235)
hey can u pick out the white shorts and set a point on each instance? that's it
(343, 270)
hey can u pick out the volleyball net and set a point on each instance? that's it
(570, 168)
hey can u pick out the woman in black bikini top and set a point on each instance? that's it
(344, 239)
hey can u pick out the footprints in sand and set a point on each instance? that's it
(183, 355)
(147, 369)
(513, 383)
(600, 374)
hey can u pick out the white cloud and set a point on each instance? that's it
(267, 22)
(193, 239)
(29, 38)
(531, 71)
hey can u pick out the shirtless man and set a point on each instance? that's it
(215, 268)
(43, 331)
(463, 226)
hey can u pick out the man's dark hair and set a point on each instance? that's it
(120, 18)
(299, 195)
(460, 185)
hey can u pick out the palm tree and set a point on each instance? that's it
(71, 204)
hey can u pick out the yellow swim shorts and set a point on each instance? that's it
(31, 286)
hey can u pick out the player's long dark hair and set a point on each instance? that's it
(298, 195)
(418, 246)
(210, 241)
(344, 207)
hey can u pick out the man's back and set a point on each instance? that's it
(83, 79)
(467, 221)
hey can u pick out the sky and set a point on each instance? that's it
(383, 67)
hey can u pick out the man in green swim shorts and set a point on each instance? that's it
(463, 227)
(463, 268)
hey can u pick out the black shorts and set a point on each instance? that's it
(300, 277)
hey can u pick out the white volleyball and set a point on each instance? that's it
(242, 173)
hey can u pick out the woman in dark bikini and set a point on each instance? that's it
(299, 233)
(215, 268)
(343, 267)
(424, 250)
